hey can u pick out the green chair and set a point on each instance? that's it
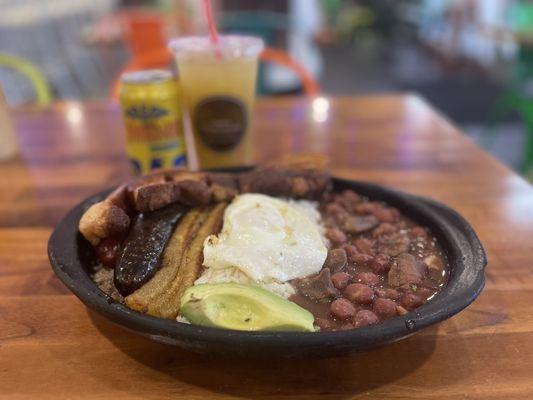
(43, 94)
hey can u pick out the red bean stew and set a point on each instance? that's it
(380, 265)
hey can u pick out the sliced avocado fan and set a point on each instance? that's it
(243, 307)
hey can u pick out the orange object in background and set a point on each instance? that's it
(144, 32)
(275, 56)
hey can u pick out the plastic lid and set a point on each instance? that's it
(146, 76)
(229, 46)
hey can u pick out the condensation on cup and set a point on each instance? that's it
(218, 84)
(8, 141)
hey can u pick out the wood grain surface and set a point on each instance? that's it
(52, 347)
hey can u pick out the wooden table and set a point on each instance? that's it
(52, 347)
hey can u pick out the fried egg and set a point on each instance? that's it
(267, 239)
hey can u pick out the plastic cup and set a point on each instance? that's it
(8, 142)
(218, 84)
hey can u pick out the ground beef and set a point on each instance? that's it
(336, 260)
(406, 270)
(317, 287)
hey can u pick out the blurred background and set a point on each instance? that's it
(471, 59)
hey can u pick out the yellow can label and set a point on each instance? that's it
(154, 136)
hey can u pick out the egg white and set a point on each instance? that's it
(267, 239)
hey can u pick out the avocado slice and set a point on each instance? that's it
(243, 307)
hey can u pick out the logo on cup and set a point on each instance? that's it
(220, 121)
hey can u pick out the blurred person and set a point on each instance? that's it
(305, 22)
(461, 29)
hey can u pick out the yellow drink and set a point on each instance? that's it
(219, 89)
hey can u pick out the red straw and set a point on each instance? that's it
(213, 33)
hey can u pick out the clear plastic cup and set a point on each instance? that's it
(218, 84)
(8, 141)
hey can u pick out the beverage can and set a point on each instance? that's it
(151, 111)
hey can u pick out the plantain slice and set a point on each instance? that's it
(167, 304)
(142, 299)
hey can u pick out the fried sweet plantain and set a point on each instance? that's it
(167, 304)
(142, 299)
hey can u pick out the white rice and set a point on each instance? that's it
(232, 274)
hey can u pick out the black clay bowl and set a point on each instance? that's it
(72, 260)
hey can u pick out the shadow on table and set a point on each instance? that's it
(340, 376)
